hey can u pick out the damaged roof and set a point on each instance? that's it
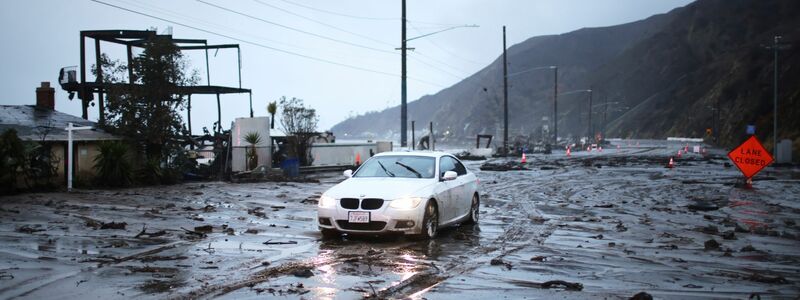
(34, 124)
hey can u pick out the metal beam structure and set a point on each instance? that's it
(139, 38)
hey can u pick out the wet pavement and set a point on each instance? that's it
(594, 225)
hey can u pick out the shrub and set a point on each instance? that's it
(12, 158)
(112, 164)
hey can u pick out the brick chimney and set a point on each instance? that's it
(45, 96)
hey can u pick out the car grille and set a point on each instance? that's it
(366, 204)
(349, 203)
(371, 226)
(371, 203)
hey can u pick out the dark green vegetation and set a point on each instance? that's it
(300, 123)
(113, 165)
(148, 115)
(25, 164)
(673, 71)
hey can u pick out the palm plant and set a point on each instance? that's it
(252, 138)
(112, 164)
(272, 108)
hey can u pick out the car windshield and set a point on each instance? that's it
(398, 166)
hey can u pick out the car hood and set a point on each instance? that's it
(384, 187)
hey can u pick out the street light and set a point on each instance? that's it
(605, 113)
(590, 105)
(555, 95)
(404, 73)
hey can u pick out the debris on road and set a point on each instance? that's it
(504, 166)
(570, 286)
(30, 229)
(499, 261)
(204, 229)
(304, 273)
(270, 242)
(641, 296)
(711, 244)
(5, 275)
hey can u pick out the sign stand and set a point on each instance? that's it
(750, 157)
(69, 130)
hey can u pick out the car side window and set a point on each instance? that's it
(446, 164)
(460, 169)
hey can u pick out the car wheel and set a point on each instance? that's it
(330, 233)
(431, 221)
(474, 210)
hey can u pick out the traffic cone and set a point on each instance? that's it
(568, 152)
(671, 163)
(679, 153)
(523, 158)
(358, 159)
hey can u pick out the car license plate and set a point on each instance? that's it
(358, 217)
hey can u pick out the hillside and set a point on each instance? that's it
(669, 70)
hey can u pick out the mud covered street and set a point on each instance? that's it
(593, 225)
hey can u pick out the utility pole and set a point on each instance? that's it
(776, 46)
(555, 106)
(505, 95)
(590, 116)
(404, 71)
(403, 79)
(605, 112)
(775, 100)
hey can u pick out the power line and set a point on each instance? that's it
(256, 43)
(207, 23)
(324, 24)
(363, 17)
(340, 14)
(417, 29)
(339, 54)
(347, 31)
(441, 63)
(437, 68)
(295, 29)
(260, 45)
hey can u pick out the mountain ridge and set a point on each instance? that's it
(677, 72)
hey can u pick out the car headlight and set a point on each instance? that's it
(405, 203)
(326, 201)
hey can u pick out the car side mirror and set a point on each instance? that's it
(449, 175)
(348, 173)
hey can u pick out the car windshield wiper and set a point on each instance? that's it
(385, 170)
(409, 168)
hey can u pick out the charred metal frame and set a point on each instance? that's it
(138, 38)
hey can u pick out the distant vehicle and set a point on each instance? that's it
(411, 193)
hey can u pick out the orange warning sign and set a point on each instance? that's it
(750, 157)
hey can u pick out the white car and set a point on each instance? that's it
(413, 193)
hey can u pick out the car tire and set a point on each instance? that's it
(474, 210)
(330, 233)
(430, 222)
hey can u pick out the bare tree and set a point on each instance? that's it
(300, 124)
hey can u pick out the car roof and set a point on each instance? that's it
(414, 153)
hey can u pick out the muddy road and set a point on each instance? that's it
(605, 224)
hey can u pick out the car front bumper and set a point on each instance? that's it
(384, 220)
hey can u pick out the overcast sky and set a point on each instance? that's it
(339, 56)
